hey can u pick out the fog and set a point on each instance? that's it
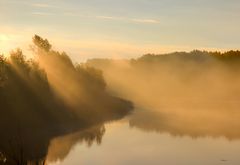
(44, 98)
(184, 94)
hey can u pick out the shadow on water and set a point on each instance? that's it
(60, 147)
(23, 150)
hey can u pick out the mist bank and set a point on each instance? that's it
(192, 94)
(48, 96)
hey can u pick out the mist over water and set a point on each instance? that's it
(119, 82)
(183, 101)
(192, 94)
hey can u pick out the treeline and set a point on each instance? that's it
(193, 56)
(197, 56)
(47, 96)
(180, 66)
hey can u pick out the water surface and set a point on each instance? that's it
(152, 137)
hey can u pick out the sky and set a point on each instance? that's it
(120, 28)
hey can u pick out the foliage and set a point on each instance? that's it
(48, 96)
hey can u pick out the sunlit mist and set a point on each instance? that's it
(119, 82)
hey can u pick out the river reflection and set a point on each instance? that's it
(174, 136)
(214, 121)
(60, 147)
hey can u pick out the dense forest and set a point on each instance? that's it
(48, 96)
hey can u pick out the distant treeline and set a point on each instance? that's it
(47, 96)
(195, 55)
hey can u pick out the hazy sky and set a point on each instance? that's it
(121, 28)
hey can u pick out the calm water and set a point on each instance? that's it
(183, 137)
